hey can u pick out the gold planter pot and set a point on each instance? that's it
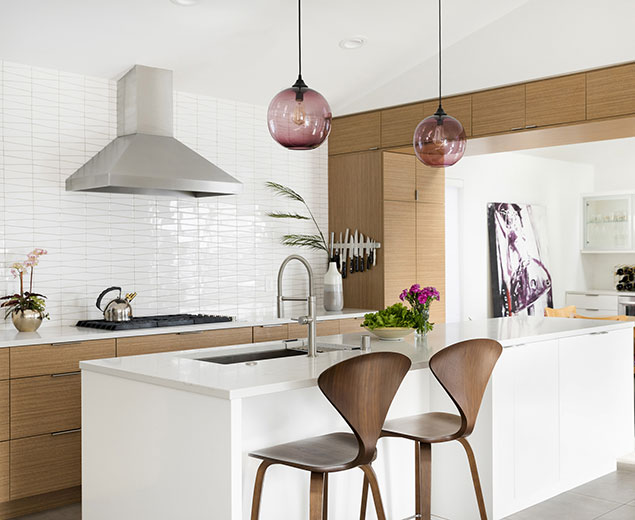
(27, 320)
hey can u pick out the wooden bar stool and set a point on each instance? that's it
(463, 369)
(361, 389)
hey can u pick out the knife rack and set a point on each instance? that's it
(367, 245)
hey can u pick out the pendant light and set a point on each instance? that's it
(299, 118)
(439, 140)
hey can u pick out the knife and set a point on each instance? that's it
(338, 254)
(351, 250)
(374, 254)
(344, 261)
(355, 253)
(362, 252)
(370, 253)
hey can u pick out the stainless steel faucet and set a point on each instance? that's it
(310, 318)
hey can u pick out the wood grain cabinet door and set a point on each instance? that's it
(497, 111)
(351, 326)
(4, 363)
(45, 404)
(430, 254)
(183, 341)
(459, 107)
(45, 463)
(355, 133)
(399, 176)
(271, 333)
(430, 184)
(4, 471)
(556, 101)
(324, 328)
(400, 249)
(611, 92)
(57, 358)
(398, 124)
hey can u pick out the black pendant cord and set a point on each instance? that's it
(440, 110)
(299, 83)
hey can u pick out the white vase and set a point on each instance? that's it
(333, 291)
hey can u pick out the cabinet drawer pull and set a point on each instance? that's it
(65, 432)
(374, 148)
(593, 310)
(66, 374)
(186, 333)
(531, 126)
(592, 295)
(599, 332)
(62, 343)
(518, 128)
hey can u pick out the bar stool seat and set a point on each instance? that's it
(325, 454)
(433, 427)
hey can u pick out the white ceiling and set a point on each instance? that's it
(602, 155)
(246, 49)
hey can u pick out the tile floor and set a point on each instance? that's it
(608, 498)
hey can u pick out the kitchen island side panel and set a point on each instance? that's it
(153, 452)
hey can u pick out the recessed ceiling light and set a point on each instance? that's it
(353, 43)
(185, 3)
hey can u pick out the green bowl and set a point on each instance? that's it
(391, 333)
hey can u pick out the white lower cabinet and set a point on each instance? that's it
(560, 410)
(593, 304)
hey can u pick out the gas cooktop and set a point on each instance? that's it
(148, 322)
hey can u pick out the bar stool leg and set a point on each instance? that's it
(365, 485)
(260, 479)
(475, 478)
(316, 501)
(325, 503)
(374, 486)
(423, 480)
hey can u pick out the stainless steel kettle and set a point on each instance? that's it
(118, 309)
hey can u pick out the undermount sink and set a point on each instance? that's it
(232, 359)
(299, 349)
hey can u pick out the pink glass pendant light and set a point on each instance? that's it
(299, 118)
(439, 140)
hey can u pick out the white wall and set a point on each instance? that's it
(217, 255)
(514, 177)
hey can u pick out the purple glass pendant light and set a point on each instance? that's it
(439, 140)
(299, 118)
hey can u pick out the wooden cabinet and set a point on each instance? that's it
(430, 253)
(355, 133)
(459, 107)
(182, 341)
(271, 333)
(44, 463)
(4, 471)
(400, 268)
(611, 92)
(430, 184)
(499, 110)
(556, 101)
(57, 358)
(4, 363)
(351, 325)
(45, 404)
(398, 124)
(324, 328)
(399, 177)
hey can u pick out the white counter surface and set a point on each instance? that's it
(183, 371)
(48, 335)
(604, 292)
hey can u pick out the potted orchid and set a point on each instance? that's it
(26, 308)
(420, 299)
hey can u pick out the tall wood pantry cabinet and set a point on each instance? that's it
(398, 201)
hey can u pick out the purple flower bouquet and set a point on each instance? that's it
(420, 299)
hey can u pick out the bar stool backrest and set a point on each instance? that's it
(464, 369)
(361, 389)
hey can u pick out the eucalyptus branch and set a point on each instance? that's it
(310, 241)
(285, 191)
(279, 214)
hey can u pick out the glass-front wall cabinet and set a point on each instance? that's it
(608, 223)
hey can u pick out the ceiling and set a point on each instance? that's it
(246, 50)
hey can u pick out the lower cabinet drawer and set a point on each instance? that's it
(45, 463)
(270, 333)
(606, 302)
(594, 313)
(324, 328)
(183, 341)
(351, 325)
(4, 471)
(45, 404)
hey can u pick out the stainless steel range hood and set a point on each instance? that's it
(145, 158)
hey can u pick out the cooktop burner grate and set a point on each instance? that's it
(148, 322)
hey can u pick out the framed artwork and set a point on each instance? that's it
(519, 259)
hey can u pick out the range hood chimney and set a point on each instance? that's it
(145, 158)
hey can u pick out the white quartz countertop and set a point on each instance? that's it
(182, 370)
(604, 292)
(51, 335)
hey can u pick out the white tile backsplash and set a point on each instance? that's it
(212, 255)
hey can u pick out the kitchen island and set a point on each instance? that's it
(166, 436)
